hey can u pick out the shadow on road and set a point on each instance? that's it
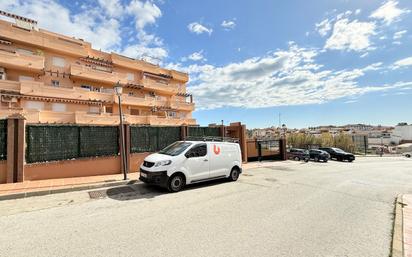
(144, 191)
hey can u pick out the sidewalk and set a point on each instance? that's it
(402, 236)
(53, 186)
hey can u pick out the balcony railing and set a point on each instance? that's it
(184, 106)
(39, 89)
(137, 101)
(160, 87)
(21, 61)
(89, 73)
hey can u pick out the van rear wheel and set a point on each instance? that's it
(234, 174)
(176, 183)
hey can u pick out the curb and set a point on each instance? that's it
(67, 189)
(397, 237)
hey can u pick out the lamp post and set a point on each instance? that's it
(118, 89)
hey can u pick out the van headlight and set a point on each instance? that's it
(163, 163)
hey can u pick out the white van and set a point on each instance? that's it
(188, 162)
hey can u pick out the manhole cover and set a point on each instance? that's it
(97, 194)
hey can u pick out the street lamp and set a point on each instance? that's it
(118, 89)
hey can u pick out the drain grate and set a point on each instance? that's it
(97, 194)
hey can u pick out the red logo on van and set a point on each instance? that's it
(216, 149)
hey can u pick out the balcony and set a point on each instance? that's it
(58, 43)
(21, 61)
(183, 106)
(170, 89)
(136, 101)
(39, 89)
(88, 73)
(8, 85)
(163, 121)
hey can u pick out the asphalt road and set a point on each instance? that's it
(287, 209)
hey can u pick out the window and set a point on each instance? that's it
(172, 114)
(58, 107)
(109, 109)
(86, 87)
(2, 75)
(34, 105)
(199, 150)
(55, 83)
(131, 94)
(59, 62)
(94, 109)
(134, 112)
(130, 76)
(176, 148)
(24, 78)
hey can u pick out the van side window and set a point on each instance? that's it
(198, 151)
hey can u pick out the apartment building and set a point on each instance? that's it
(52, 78)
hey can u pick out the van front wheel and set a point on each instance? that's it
(176, 183)
(234, 174)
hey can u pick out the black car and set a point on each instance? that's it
(318, 155)
(338, 154)
(298, 154)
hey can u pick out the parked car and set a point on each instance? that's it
(318, 155)
(189, 162)
(407, 155)
(338, 154)
(298, 154)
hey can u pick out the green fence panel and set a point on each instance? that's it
(143, 139)
(3, 139)
(152, 139)
(204, 131)
(167, 136)
(50, 143)
(99, 141)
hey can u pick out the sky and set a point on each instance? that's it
(316, 62)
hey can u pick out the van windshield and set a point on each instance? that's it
(176, 148)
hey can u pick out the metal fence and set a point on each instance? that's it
(152, 139)
(52, 143)
(3, 139)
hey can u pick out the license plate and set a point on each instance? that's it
(144, 175)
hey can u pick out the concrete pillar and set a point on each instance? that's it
(15, 148)
(282, 149)
(183, 132)
(127, 144)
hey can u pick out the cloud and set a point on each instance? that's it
(323, 27)
(398, 35)
(285, 77)
(351, 35)
(228, 24)
(149, 54)
(388, 12)
(112, 7)
(198, 28)
(144, 13)
(406, 62)
(196, 56)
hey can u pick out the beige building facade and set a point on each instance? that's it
(52, 78)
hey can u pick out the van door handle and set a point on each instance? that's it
(205, 160)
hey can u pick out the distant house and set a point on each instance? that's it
(402, 133)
